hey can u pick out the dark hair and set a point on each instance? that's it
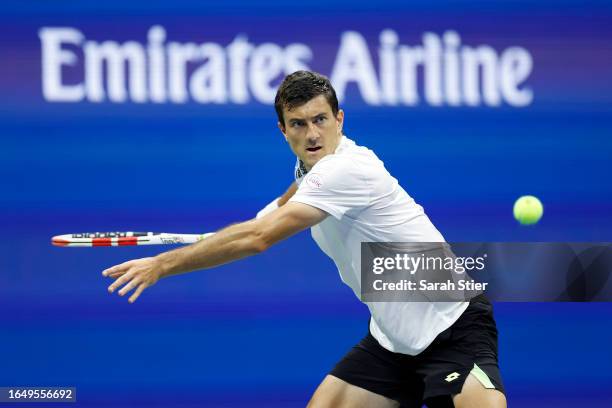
(300, 87)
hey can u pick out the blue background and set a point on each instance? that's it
(264, 331)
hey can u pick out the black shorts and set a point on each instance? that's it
(435, 374)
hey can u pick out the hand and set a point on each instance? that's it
(138, 273)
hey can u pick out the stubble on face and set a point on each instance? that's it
(312, 130)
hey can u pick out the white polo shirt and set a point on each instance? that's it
(367, 204)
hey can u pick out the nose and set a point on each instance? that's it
(312, 137)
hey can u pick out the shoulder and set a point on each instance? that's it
(350, 167)
(332, 164)
(338, 174)
(348, 157)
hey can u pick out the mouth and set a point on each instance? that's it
(313, 149)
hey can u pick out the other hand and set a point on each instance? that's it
(138, 273)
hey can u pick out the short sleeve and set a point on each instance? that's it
(335, 185)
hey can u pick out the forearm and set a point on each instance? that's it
(278, 202)
(288, 194)
(232, 243)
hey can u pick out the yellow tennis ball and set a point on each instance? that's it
(528, 210)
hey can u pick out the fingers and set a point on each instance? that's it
(117, 269)
(136, 274)
(114, 275)
(133, 283)
(137, 293)
(119, 282)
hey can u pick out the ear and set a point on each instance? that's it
(340, 120)
(282, 129)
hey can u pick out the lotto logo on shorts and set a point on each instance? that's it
(452, 377)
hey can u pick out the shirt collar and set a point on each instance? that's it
(300, 168)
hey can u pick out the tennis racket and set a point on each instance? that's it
(106, 239)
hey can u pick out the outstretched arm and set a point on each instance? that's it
(230, 244)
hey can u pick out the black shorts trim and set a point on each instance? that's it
(437, 373)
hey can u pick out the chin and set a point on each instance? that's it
(318, 157)
(309, 163)
(313, 161)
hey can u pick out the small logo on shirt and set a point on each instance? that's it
(452, 376)
(314, 181)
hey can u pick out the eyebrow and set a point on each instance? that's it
(318, 115)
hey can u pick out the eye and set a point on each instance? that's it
(296, 124)
(320, 119)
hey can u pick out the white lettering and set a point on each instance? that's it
(410, 59)
(53, 57)
(238, 52)
(452, 87)
(354, 64)
(296, 56)
(441, 71)
(266, 64)
(474, 59)
(207, 83)
(179, 55)
(116, 56)
(157, 64)
(433, 70)
(388, 66)
(516, 65)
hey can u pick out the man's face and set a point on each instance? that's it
(312, 130)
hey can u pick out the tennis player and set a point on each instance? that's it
(443, 354)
